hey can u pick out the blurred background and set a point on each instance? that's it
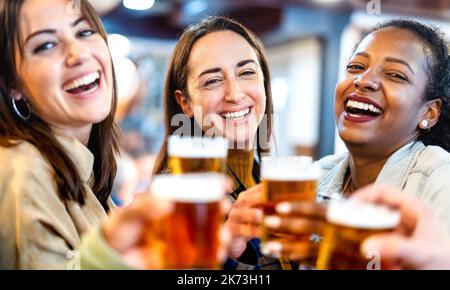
(307, 43)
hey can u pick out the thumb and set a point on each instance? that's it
(237, 247)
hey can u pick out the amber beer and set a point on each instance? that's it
(189, 237)
(196, 154)
(349, 223)
(287, 179)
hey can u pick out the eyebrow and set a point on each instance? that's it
(244, 62)
(363, 54)
(216, 69)
(401, 61)
(52, 31)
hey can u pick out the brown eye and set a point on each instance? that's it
(247, 73)
(212, 82)
(397, 76)
(354, 67)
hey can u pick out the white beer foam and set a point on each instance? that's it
(190, 188)
(295, 168)
(362, 215)
(197, 147)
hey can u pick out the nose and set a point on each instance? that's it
(234, 92)
(77, 53)
(367, 82)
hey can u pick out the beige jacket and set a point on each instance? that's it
(416, 169)
(38, 230)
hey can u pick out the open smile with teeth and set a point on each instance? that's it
(236, 115)
(85, 84)
(360, 108)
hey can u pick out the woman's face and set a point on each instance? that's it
(226, 86)
(379, 100)
(65, 70)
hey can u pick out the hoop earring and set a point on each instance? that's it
(16, 109)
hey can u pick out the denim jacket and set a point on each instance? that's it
(423, 171)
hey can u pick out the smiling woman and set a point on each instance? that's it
(57, 133)
(392, 109)
(218, 83)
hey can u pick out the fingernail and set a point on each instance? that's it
(271, 248)
(264, 250)
(260, 216)
(369, 245)
(283, 207)
(272, 221)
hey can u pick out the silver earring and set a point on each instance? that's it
(424, 124)
(16, 109)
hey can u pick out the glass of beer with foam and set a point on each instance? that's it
(197, 154)
(349, 223)
(287, 179)
(188, 238)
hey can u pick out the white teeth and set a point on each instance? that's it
(88, 79)
(363, 106)
(236, 115)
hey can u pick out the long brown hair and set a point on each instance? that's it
(103, 141)
(176, 79)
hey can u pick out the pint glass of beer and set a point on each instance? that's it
(287, 179)
(189, 237)
(349, 223)
(197, 154)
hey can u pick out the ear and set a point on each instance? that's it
(16, 95)
(431, 113)
(184, 103)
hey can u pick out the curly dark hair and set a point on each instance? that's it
(438, 86)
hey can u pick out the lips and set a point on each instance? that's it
(236, 114)
(361, 109)
(83, 85)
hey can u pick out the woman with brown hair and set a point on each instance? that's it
(218, 83)
(58, 140)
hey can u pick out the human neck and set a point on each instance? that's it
(82, 134)
(366, 163)
(363, 170)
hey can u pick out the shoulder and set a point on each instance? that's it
(24, 155)
(433, 168)
(25, 174)
(433, 159)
